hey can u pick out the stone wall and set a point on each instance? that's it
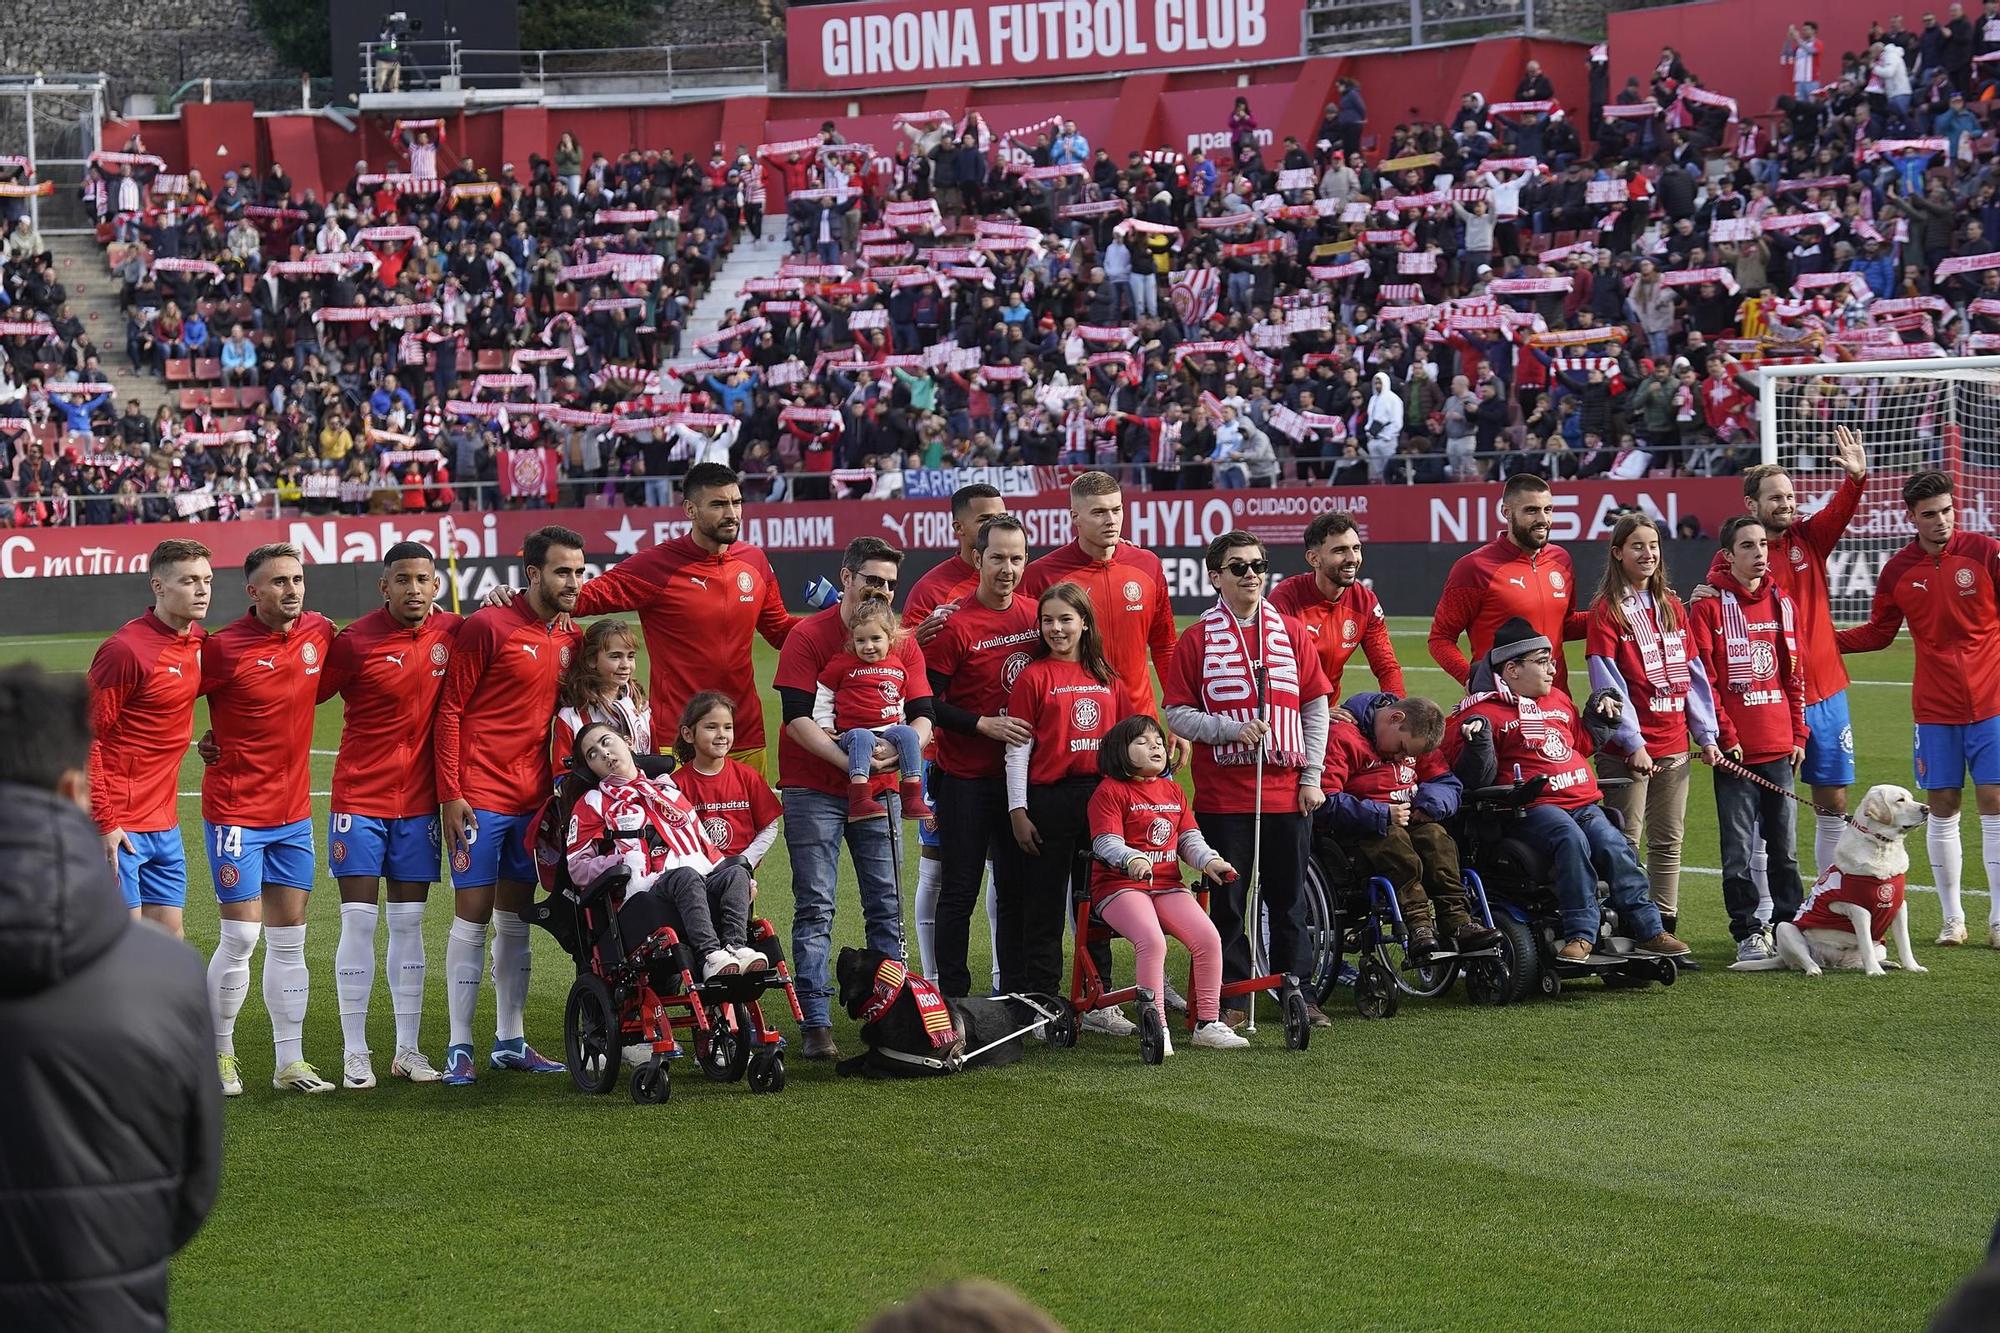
(145, 46)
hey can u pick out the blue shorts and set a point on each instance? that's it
(1829, 744)
(369, 848)
(245, 860)
(927, 835)
(1944, 751)
(499, 851)
(155, 871)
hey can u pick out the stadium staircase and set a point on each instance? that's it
(747, 260)
(93, 298)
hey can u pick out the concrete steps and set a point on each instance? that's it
(93, 298)
(749, 260)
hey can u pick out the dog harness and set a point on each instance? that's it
(1880, 898)
(891, 980)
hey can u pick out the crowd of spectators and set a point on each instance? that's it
(1407, 304)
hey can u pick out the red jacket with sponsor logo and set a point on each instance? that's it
(1489, 586)
(390, 677)
(1129, 601)
(143, 684)
(261, 685)
(1338, 627)
(491, 732)
(1949, 601)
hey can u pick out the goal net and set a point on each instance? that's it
(1912, 415)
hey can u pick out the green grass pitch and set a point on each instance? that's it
(1760, 1151)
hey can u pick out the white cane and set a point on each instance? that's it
(1251, 924)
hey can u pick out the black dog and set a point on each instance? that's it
(899, 1043)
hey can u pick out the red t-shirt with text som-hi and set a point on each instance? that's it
(1070, 710)
(981, 652)
(735, 803)
(1150, 815)
(813, 643)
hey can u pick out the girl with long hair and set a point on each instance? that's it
(1069, 699)
(602, 685)
(739, 811)
(1639, 646)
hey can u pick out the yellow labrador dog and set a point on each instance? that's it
(1859, 899)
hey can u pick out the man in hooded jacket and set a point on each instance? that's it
(110, 1115)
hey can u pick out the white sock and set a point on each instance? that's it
(512, 959)
(1947, 863)
(286, 986)
(229, 979)
(930, 878)
(1989, 853)
(406, 970)
(354, 972)
(993, 925)
(463, 954)
(1826, 834)
(1760, 878)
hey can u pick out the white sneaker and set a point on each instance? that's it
(414, 1065)
(1953, 932)
(231, 1073)
(752, 960)
(720, 963)
(1166, 1041)
(1993, 935)
(1109, 1022)
(638, 1053)
(356, 1071)
(298, 1076)
(1216, 1035)
(1175, 1003)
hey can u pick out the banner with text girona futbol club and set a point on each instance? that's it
(889, 43)
(1157, 520)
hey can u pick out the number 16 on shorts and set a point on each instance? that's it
(244, 860)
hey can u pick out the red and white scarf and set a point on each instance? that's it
(1662, 656)
(1534, 723)
(1737, 650)
(1232, 656)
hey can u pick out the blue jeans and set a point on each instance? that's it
(659, 491)
(1585, 847)
(814, 826)
(859, 742)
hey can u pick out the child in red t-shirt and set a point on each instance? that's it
(739, 812)
(1140, 826)
(860, 703)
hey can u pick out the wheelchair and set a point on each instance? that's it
(1352, 914)
(1087, 991)
(642, 992)
(1519, 878)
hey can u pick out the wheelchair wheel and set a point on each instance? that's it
(767, 1073)
(1323, 936)
(1376, 993)
(1062, 1029)
(591, 1036)
(1298, 1023)
(1487, 981)
(651, 1083)
(1520, 960)
(1423, 980)
(1152, 1035)
(725, 1052)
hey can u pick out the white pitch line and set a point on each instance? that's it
(186, 794)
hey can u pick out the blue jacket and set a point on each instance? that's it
(1437, 799)
(1879, 273)
(76, 413)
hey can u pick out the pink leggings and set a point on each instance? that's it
(1142, 917)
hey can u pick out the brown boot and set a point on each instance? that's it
(1663, 944)
(1235, 1018)
(817, 1044)
(1574, 951)
(1315, 1017)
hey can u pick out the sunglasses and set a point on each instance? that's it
(877, 581)
(1239, 568)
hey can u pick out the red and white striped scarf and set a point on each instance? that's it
(1232, 657)
(1736, 645)
(1662, 655)
(1534, 723)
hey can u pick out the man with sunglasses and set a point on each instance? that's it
(813, 783)
(1248, 690)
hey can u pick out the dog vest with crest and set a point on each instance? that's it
(891, 980)
(1880, 898)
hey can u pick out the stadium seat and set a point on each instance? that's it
(207, 369)
(192, 400)
(490, 360)
(180, 370)
(223, 399)
(250, 396)
(464, 360)
(567, 302)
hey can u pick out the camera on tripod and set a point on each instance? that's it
(398, 24)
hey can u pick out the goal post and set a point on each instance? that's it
(1913, 415)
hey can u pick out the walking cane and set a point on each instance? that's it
(1251, 924)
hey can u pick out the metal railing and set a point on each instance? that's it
(1336, 26)
(445, 63)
